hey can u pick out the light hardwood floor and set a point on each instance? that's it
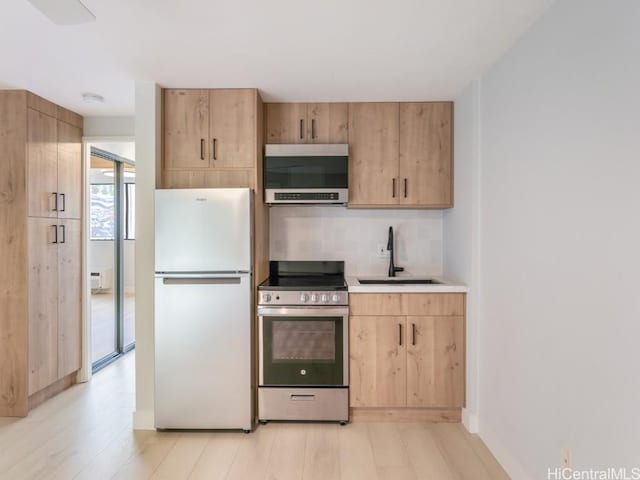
(86, 433)
(103, 333)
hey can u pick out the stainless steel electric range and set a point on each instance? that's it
(303, 321)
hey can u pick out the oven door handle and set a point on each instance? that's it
(304, 312)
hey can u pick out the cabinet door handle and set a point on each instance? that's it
(64, 236)
(405, 188)
(64, 202)
(413, 333)
(202, 149)
(393, 188)
(400, 334)
(301, 129)
(55, 233)
(313, 128)
(55, 201)
(215, 143)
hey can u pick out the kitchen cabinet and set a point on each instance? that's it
(373, 154)
(40, 239)
(425, 173)
(407, 350)
(400, 155)
(209, 128)
(306, 122)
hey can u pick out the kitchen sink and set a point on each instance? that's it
(399, 281)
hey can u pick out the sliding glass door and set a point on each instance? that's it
(111, 256)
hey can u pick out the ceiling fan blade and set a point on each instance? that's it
(64, 12)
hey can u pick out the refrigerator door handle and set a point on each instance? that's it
(235, 273)
(201, 280)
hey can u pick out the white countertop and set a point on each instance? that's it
(444, 287)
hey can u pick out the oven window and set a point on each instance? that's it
(305, 172)
(302, 350)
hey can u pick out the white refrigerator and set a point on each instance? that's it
(203, 309)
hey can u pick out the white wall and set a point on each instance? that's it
(108, 127)
(352, 235)
(148, 138)
(558, 244)
(461, 235)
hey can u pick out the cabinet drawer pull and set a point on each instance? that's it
(202, 149)
(301, 129)
(64, 202)
(393, 188)
(64, 236)
(413, 333)
(215, 143)
(55, 201)
(405, 188)
(313, 128)
(55, 233)
(400, 334)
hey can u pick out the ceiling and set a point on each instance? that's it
(292, 50)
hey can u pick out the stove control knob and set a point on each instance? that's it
(324, 298)
(304, 298)
(314, 297)
(266, 298)
(335, 298)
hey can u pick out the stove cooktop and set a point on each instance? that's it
(305, 275)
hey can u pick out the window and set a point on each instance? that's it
(103, 211)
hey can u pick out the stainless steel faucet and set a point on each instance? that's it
(392, 268)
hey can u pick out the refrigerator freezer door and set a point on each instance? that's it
(203, 352)
(203, 230)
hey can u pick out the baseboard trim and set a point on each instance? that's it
(52, 390)
(502, 454)
(144, 420)
(435, 415)
(470, 420)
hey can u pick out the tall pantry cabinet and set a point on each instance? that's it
(40, 250)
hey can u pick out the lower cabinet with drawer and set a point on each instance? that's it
(407, 356)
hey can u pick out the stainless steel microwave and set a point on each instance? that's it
(306, 174)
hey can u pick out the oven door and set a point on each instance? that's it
(303, 346)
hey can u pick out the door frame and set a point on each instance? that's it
(85, 372)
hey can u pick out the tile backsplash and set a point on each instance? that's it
(353, 235)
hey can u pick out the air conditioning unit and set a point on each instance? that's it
(101, 280)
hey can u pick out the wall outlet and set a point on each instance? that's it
(565, 458)
(382, 250)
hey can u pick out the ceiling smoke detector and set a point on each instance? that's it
(64, 12)
(92, 98)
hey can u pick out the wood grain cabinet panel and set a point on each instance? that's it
(42, 164)
(186, 128)
(69, 293)
(40, 249)
(378, 356)
(69, 171)
(307, 122)
(286, 122)
(435, 361)
(426, 160)
(232, 128)
(435, 303)
(328, 123)
(43, 302)
(376, 304)
(373, 154)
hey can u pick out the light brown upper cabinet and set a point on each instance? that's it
(373, 154)
(209, 128)
(306, 122)
(54, 167)
(400, 155)
(426, 162)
